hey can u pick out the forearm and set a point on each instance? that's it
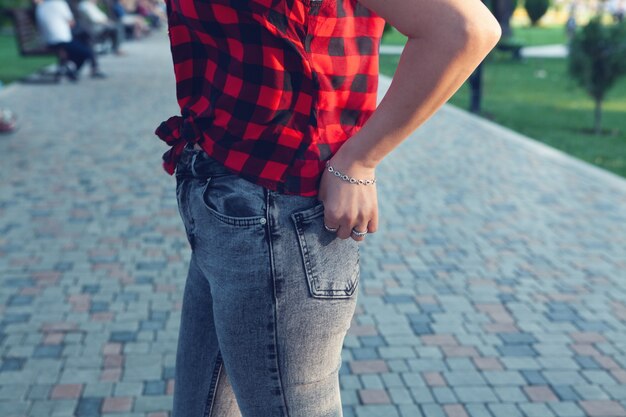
(429, 72)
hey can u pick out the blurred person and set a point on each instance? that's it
(149, 10)
(132, 21)
(570, 24)
(8, 121)
(98, 25)
(55, 21)
(275, 151)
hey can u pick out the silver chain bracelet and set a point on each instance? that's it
(347, 178)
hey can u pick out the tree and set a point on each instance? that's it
(596, 59)
(502, 11)
(536, 9)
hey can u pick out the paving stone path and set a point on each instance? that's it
(495, 287)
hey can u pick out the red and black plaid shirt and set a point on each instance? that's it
(271, 88)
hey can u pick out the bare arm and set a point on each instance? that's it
(447, 40)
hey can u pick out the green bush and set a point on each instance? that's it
(597, 58)
(536, 9)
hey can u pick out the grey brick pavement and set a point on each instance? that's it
(496, 285)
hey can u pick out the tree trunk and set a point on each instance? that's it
(503, 10)
(475, 82)
(597, 127)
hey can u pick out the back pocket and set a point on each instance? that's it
(331, 263)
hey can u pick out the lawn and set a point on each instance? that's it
(14, 66)
(536, 98)
(526, 35)
(541, 35)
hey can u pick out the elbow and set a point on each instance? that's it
(471, 28)
(481, 35)
(474, 35)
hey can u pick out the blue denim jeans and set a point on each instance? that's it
(268, 299)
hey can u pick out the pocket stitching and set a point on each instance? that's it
(229, 220)
(298, 219)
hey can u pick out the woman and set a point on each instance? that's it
(275, 170)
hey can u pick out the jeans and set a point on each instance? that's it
(78, 52)
(268, 299)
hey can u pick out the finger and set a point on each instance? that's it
(372, 226)
(345, 231)
(330, 222)
(330, 227)
(357, 230)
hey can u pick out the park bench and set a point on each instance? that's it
(511, 46)
(30, 43)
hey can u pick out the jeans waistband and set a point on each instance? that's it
(197, 163)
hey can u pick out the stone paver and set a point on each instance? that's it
(496, 285)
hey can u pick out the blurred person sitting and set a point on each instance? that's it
(55, 21)
(152, 12)
(136, 23)
(98, 25)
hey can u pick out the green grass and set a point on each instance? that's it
(541, 35)
(393, 37)
(13, 65)
(552, 110)
(528, 36)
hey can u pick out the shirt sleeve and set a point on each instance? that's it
(67, 12)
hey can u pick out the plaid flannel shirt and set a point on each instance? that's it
(271, 88)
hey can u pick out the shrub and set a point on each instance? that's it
(597, 58)
(536, 9)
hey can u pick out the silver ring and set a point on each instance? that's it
(331, 229)
(357, 233)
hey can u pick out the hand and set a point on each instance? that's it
(346, 205)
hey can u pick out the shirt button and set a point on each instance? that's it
(263, 221)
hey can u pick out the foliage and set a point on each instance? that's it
(536, 9)
(491, 4)
(597, 59)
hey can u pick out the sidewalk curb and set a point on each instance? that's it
(542, 149)
(526, 142)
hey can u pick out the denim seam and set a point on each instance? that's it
(268, 198)
(185, 199)
(213, 388)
